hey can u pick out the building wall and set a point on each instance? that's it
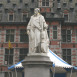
(16, 8)
(71, 45)
(16, 45)
(56, 8)
(55, 44)
(16, 12)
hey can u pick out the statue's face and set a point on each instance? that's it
(36, 11)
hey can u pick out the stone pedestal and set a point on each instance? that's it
(37, 65)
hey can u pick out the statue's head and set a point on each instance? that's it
(37, 10)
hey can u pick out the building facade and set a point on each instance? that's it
(61, 17)
(16, 34)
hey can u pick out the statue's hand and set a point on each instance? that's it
(28, 32)
(45, 26)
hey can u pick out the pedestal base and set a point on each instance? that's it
(37, 66)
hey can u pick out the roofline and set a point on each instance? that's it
(47, 19)
(25, 23)
(69, 23)
(13, 23)
(54, 19)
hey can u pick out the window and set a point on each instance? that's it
(59, 5)
(6, 10)
(64, 4)
(23, 36)
(66, 35)
(32, 10)
(45, 2)
(58, 1)
(53, 4)
(14, 5)
(0, 5)
(76, 4)
(58, 9)
(8, 1)
(32, 1)
(9, 56)
(71, 9)
(66, 54)
(19, 10)
(52, 14)
(10, 35)
(21, 1)
(44, 14)
(54, 32)
(11, 17)
(23, 52)
(26, 5)
(66, 17)
(24, 17)
(70, 0)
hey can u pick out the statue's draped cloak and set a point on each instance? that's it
(38, 29)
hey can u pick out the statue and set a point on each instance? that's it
(37, 32)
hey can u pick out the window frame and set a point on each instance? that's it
(6, 10)
(26, 36)
(8, 1)
(64, 4)
(66, 55)
(8, 55)
(71, 9)
(66, 35)
(58, 1)
(9, 17)
(1, 5)
(10, 36)
(32, 1)
(65, 18)
(70, 0)
(23, 16)
(21, 1)
(24, 54)
(45, 3)
(75, 4)
(56, 32)
(14, 5)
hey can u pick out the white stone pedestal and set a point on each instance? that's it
(37, 65)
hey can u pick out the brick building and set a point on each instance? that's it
(60, 15)
(16, 33)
